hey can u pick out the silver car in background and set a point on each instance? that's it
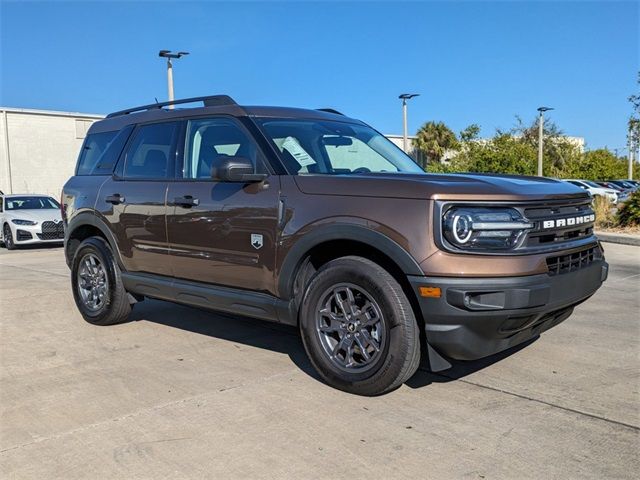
(28, 219)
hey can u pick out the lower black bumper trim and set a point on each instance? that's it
(477, 317)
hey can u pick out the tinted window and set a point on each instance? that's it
(92, 149)
(149, 154)
(210, 141)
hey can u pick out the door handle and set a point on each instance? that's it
(187, 201)
(115, 199)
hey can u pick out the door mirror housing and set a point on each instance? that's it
(236, 169)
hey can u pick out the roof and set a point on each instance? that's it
(151, 113)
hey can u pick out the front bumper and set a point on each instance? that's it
(477, 317)
(29, 234)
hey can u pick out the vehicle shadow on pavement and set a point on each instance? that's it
(284, 339)
(460, 369)
(36, 246)
(236, 329)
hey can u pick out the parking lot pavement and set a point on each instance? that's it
(183, 393)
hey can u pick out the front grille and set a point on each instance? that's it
(570, 210)
(52, 231)
(22, 235)
(571, 262)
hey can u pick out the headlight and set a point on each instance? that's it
(479, 228)
(24, 222)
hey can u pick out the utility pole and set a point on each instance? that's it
(169, 55)
(404, 97)
(541, 136)
(630, 156)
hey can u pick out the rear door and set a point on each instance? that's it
(133, 201)
(222, 233)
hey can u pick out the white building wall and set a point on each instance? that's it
(39, 149)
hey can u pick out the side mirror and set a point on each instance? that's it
(236, 169)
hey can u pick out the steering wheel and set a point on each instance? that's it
(361, 170)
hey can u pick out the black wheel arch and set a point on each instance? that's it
(349, 236)
(85, 225)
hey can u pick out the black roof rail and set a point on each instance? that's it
(209, 101)
(330, 110)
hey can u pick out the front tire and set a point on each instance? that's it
(97, 284)
(358, 327)
(8, 238)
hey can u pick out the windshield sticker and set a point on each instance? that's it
(299, 153)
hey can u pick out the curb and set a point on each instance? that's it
(621, 238)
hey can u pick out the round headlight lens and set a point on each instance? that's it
(462, 228)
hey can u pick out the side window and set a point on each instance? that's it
(149, 154)
(210, 141)
(1, 204)
(92, 149)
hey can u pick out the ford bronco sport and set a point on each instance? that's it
(314, 219)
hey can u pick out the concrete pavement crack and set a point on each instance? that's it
(34, 270)
(145, 410)
(537, 400)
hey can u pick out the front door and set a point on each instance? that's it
(222, 233)
(134, 200)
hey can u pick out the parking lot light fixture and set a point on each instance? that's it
(404, 97)
(170, 55)
(541, 110)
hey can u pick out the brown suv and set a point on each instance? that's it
(311, 218)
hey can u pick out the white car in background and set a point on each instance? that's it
(594, 189)
(27, 219)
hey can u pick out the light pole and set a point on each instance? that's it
(630, 157)
(540, 136)
(169, 55)
(405, 97)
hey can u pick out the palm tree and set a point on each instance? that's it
(434, 139)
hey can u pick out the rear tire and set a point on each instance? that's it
(358, 327)
(97, 284)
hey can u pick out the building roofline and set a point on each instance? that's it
(52, 113)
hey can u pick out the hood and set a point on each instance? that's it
(439, 187)
(39, 215)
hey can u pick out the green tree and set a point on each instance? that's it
(557, 148)
(503, 153)
(434, 139)
(470, 133)
(598, 164)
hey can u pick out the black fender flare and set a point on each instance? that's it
(89, 218)
(356, 233)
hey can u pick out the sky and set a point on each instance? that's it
(472, 62)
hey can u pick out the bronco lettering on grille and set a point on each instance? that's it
(568, 222)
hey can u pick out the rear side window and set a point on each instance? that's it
(92, 149)
(107, 160)
(149, 154)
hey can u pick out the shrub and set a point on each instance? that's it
(604, 212)
(629, 212)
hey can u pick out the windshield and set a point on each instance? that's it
(592, 184)
(31, 203)
(319, 146)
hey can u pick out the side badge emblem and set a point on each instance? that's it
(256, 241)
